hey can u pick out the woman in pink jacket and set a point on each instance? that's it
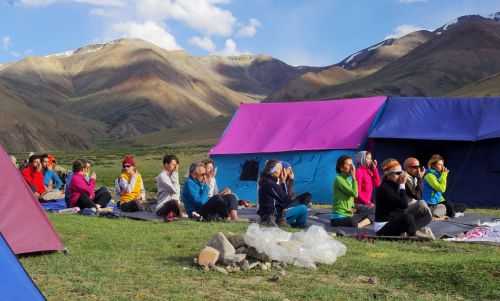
(368, 178)
(82, 192)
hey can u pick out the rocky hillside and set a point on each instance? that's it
(457, 54)
(127, 88)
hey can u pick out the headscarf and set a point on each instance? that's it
(360, 158)
(390, 166)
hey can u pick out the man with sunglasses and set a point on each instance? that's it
(414, 188)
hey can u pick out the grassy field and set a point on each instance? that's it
(123, 259)
(132, 260)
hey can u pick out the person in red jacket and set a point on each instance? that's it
(33, 175)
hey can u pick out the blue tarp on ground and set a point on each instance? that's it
(465, 131)
(15, 283)
(314, 172)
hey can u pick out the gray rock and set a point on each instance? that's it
(221, 244)
(220, 270)
(245, 265)
(242, 250)
(234, 259)
(263, 267)
(253, 253)
(254, 265)
(237, 241)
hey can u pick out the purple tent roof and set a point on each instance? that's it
(299, 126)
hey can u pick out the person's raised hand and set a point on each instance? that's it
(374, 164)
(402, 178)
(291, 175)
(445, 170)
(93, 176)
(353, 170)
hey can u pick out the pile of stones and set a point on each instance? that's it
(230, 254)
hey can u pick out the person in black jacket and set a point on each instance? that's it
(391, 215)
(276, 199)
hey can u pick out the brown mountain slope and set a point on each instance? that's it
(355, 66)
(25, 129)
(134, 87)
(489, 86)
(464, 52)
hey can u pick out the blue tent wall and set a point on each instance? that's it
(474, 166)
(314, 172)
(15, 283)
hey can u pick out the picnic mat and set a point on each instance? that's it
(54, 206)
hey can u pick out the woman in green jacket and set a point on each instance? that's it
(345, 191)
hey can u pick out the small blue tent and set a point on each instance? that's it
(308, 135)
(465, 131)
(15, 283)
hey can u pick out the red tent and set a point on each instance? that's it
(23, 222)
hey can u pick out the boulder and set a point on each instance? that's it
(208, 256)
(253, 253)
(234, 259)
(236, 240)
(222, 244)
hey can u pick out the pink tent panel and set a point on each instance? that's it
(299, 126)
(23, 222)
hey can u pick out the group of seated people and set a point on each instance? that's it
(403, 201)
(39, 173)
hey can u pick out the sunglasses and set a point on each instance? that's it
(398, 173)
(127, 166)
(415, 166)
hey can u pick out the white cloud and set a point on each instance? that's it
(249, 30)
(411, 1)
(6, 42)
(204, 43)
(149, 31)
(114, 3)
(231, 49)
(202, 15)
(403, 30)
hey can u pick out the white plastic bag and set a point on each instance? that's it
(304, 248)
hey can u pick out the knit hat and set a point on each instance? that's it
(285, 164)
(391, 166)
(129, 160)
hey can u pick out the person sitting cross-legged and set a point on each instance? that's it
(277, 205)
(435, 182)
(392, 217)
(345, 191)
(82, 192)
(226, 194)
(33, 175)
(196, 200)
(168, 194)
(130, 187)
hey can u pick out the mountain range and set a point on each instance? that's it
(129, 89)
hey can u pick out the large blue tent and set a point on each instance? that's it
(465, 131)
(308, 135)
(15, 283)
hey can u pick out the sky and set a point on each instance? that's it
(307, 32)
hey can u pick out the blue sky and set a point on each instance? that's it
(307, 32)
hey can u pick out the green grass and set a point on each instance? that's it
(132, 260)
